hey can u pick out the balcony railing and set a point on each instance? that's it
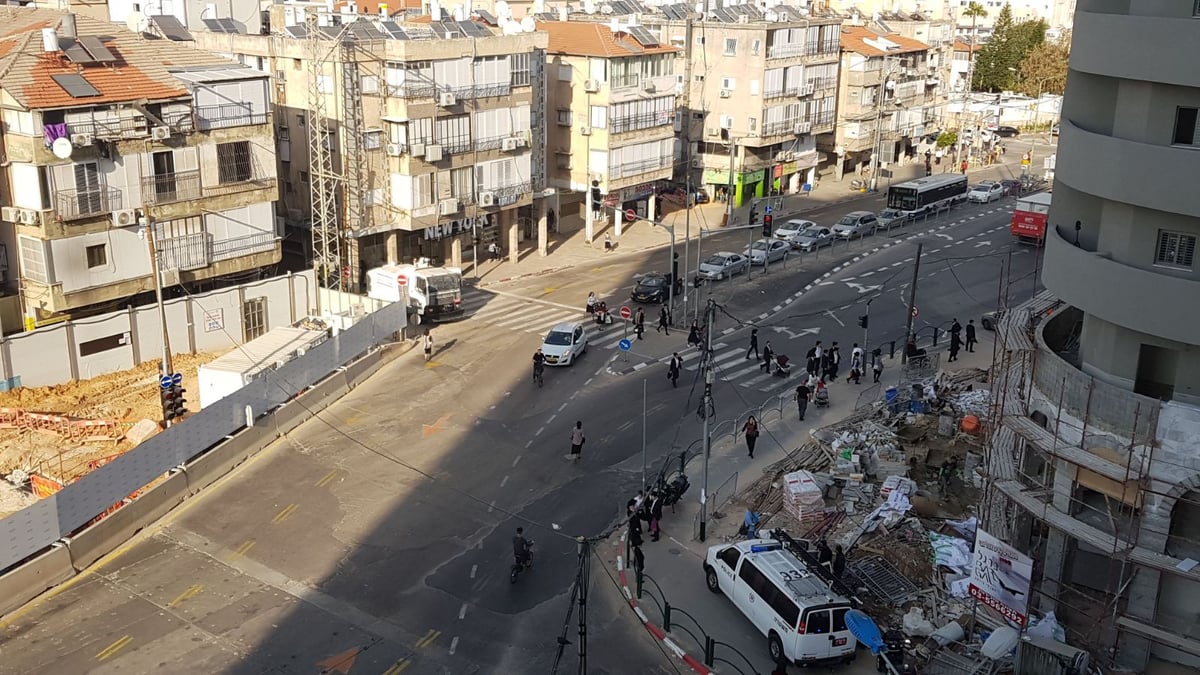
(479, 90)
(250, 177)
(620, 125)
(792, 49)
(623, 81)
(639, 167)
(76, 204)
(455, 146)
(167, 188)
(228, 115)
(413, 90)
(490, 143)
(791, 92)
(511, 194)
(227, 249)
(186, 252)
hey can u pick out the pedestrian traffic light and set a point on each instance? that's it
(173, 403)
(696, 281)
(753, 214)
(863, 320)
(767, 218)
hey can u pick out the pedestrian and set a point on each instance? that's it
(635, 529)
(963, 167)
(768, 355)
(664, 321)
(839, 562)
(823, 366)
(857, 363)
(835, 361)
(877, 366)
(428, 345)
(577, 439)
(591, 303)
(655, 509)
(803, 396)
(694, 335)
(955, 327)
(937, 157)
(673, 369)
(750, 429)
(928, 169)
(639, 323)
(810, 361)
(753, 349)
(824, 555)
(608, 244)
(955, 345)
(971, 335)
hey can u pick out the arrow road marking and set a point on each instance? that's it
(862, 288)
(983, 243)
(792, 336)
(944, 236)
(834, 317)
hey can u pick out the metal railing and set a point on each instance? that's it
(253, 179)
(480, 90)
(623, 81)
(76, 204)
(511, 194)
(227, 249)
(620, 125)
(113, 128)
(413, 90)
(490, 143)
(186, 252)
(792, 49)
(456, 145)
(639, 167)
(784, 127)
(227, 115)
(167, 188)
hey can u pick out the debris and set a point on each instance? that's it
(142, 430)
(950, 552)
(915, 623)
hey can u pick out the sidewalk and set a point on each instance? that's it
(673, 564)
(567, 247)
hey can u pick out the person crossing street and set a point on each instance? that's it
(577, 440)
(803, 396)
(664, 321)
(971, 341)
(673, 369)
(753, 349)
(639, 323)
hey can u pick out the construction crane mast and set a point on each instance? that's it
(354, 157)
(324, 181)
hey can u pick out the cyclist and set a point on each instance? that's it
(539, 361)
(521, 547)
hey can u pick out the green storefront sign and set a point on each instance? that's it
(720, 177)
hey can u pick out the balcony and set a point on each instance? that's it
(507, 195)
(794, 49)
(479, 90)
(77, 204)
(786, 128)
(198, 250)
(490, 143)
(169, 188)
(239, 178)
(455, 146)
(792, 92)
(644, 166)
(622, 125)
(411, 90)
(227, 249)
(624, 81)
(228, 115)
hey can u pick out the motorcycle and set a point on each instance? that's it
(518, 567)
(673, 490)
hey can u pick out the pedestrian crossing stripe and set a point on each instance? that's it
(730, 366)
(528, 315)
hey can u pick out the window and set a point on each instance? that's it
(420, 131)
(599, 117)
(97, 256)
(233, 162)
(755, 47)
(755, 579)
(564, 118)
(254, 318)
(1187, 131)
(729, 83)
(373, 139)
(33, 260)
(730, 557)
(284, 134)
(816, 622)
(1175, 249)
(461, 182)
(454, 133)
(304, 177)
(730, 47)
(300, 119)
(784, 606)
(297, 64)
(520, 69)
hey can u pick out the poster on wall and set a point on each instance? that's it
(214, 320)
(1000, 577)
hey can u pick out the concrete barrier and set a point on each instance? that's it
(25, 582)
(207, 468)
(101, 538)
(313, 400)
(362, 369)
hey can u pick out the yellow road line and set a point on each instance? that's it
(283, 515)
(428, 639)
(115, 647)
(242, 550)
(328, 478)
(397, 667)
(191, 592)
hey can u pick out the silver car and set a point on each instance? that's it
(889, 218)
(855, 224)
(813, 238)
(723, 264)
(764, 250)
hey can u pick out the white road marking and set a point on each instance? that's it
(462, 611)
(492, 506)
(474, 570)
(551, 419)
(516, 461)
(562, 407)
(504, 481)
(833, 316)
(454, 644)
(539, 431)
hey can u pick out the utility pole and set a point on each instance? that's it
(706, 407)
(582, 582)
(168, 369)
(912, 304)
(729, 195)
(878, 123)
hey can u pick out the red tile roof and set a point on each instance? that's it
(579, 38)
(960, 46)
(854, 39)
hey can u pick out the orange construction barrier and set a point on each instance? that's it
(44, 487)
(970, 424)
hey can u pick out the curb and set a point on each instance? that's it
(651, 627)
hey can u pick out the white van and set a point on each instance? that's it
(803, 619)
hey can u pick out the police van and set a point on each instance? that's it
(803, 619)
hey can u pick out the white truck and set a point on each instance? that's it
(432, 293)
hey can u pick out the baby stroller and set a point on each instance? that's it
(821, 395)
(783, 366)
(601, 314)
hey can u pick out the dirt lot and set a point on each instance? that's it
(125, 397)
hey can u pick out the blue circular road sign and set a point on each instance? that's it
(177, 378)
(625, 345)
(165, 381)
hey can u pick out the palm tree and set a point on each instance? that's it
(976, 12)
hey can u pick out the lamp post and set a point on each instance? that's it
(875, 152)
(146, 228)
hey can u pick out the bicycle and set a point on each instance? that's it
(537, 377)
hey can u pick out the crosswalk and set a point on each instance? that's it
(529, 315)
(731, 365)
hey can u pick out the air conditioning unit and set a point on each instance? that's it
(697, 163)
(591, 86)
(447, 207)
(433, 153)
(10, 214)
(124, 217)
(725, 93)
(160, 133)
(510, 144)
(802, 128)
(649, 88)
(28, 217)
(81, 139)
(417, 149)
(726, 121)
(446, 99)
(170, 277)
(585, 131)
(487, 198)
(785, 156)
(394, 149)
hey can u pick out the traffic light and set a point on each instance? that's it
(696, 281)
(753, 214)
(767, 224)
(173, 403)
(597, 198)
(863, 321)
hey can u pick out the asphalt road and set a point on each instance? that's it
(376, 539)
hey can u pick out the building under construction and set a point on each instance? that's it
(402, 139)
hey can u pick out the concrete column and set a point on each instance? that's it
(392, 247)
(508, 220)
(652, 207)
(543, 228)
(1056, 542)
(618, 221)
(456, 246)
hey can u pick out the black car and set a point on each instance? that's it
(1007, 132)
(653, 288)
(1011, 187)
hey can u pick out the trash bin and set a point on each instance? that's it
(889, 397)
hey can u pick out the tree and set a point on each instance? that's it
(976, 12)
(947, 139)
(999, 60)
(1044, 69)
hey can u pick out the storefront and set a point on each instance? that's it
(746, 185)
(637, 198)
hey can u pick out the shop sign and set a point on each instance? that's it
(452, 228)
(754, 176)
(721, 177)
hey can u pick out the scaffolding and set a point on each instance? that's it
(324, 179)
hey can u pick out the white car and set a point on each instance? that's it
(723, 264)
(564, 343)
(764, 250)
(790, 230)
(986, 192)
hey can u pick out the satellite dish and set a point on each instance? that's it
(503, 11)
(509, 27)
(137, 22)
(589, 6)
(62, 148)
(528, 25)
(458, 13)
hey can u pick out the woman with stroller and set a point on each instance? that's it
(821, 393)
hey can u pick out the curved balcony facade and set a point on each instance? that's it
(1118, 45)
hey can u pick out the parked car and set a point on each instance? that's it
(565, 343)
(1007, 132)
(889, 218)
(1054, 130)
(990, 320)
(723, 264)
(855, 224)
(654, 288)
(791, 229)
(813, 238)
(764, 250)
(1011, 187)
(986, 192)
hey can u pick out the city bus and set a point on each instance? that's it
(931, 193)
(1029, 218)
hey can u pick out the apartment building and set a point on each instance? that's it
(611, 89)
(889, 99)
(1096, 450)
(245, 17)
(960, 66)
(106, 132)
(450, 118)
